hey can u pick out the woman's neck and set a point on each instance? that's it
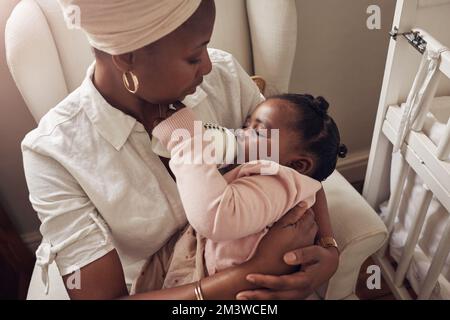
(110, 86)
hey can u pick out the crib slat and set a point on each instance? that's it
(443, 150)
(394, 203)
(413, 236)
(437, 264)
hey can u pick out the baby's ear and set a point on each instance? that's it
(303, 165)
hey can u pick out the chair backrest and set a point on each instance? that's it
(48, 61)
(45, 58)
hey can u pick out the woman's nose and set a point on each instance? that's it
(206, 66)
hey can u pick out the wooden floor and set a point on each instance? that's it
(364, 293)
(384, 293)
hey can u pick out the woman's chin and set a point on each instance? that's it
(192, 91)
(188, 92)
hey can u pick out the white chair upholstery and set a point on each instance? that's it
(273, 28)
(48, 61)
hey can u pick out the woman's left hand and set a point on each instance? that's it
(318, 266)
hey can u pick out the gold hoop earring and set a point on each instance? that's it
(126, 83)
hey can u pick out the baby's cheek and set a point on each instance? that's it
(275, 149)
(251, 148)
(248, 146)
(263, 145)
(269, 149)
(256, 147)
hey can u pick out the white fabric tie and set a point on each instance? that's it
(46, 252)
(45, 255)
(427, 70)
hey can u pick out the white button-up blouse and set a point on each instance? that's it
(95, 182)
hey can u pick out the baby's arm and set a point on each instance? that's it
(224, 211)
(246, 205)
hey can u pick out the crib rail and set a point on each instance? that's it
(444, 65)
(419, 153)
(443, 149)
(421, 40)
(412, 166)
(432, 3)
(413, 237)
(436, 265)
(420, 157)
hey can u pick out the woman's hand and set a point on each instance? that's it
(297, 229)
(318, 266)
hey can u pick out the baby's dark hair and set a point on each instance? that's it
(319, 133)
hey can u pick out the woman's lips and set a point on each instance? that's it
(194, 88)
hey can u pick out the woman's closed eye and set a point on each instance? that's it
(194, 61)
(194, 58)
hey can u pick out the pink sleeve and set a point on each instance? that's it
(223, 211)
(181, 123)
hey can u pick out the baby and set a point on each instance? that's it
(234, 211)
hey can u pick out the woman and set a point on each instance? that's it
(105, 200)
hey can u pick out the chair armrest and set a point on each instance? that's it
(359, 232)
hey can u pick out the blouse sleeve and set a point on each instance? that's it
(74, 233)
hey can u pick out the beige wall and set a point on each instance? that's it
(15, 122)
(340, 58)
(337, 57)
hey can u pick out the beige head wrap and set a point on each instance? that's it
(121, 26)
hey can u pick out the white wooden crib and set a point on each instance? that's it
(411, 187)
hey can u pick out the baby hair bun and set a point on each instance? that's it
(342, 151)
(321, 105)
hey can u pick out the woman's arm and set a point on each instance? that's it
(318, 265)
(97, 284)
(322, 215)
(104, 279)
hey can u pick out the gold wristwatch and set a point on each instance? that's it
(328, 242)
